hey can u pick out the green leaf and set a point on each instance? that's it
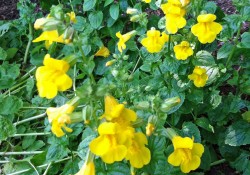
(238, 134)
(3, 54)
(8, 74)
(107, 2)
(56, 152)
(224, 51)
(36, 145)
(114, 11)
(28, 141)
(215, 99)
(118, 169)
(11, 52)
(85, 90)
(204, 58)
(88, 5)
(246, 116)
(205, 124)
(191, 130)
(95, 19)
(7, 128)
(242, 163)
(245, 42)
(10, 105)
(5, 28)
(210, 7)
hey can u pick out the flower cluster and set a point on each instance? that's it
(187, 154)
(199, 76)
(52, 77)
(174, 13)
(117, 138)
(154, 42)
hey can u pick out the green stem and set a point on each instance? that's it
(47, 169)
(136, 64)
(29, 43)
(14, 87)
(33, 167)
(169, 43)
(31, 134)
(236, 40)
(20, 153)
(29, 119)
(218, 162)
(26, 107)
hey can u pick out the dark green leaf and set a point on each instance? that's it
(224, 51)
(89, 5)
(238, 134)
(3, 54)
(203, 58)
(191, 130)
(10, 105)
(242, 163)
(95, 19)
(7, 128)
(114, 11)
(107, 2)
(205, 124)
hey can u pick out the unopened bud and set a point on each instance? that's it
(125, 57)
(135, 18)
(170, 133)
(39, 23)
(150, 129)
(131, 11)
(109, 63)
(50, 24)
(169, 103)
(68, 34)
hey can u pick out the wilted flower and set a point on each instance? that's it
(123, 39)
(154, 42)
(183, 50)
(206, 30)
(52, 77)
(103, 52)
(199, 76)
(187, 154)
(59, 117)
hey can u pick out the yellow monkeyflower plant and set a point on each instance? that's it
(103, 52)
(199, 76)
(206, 30)
(87, 169)
(174, 14)
(187, 154)
(59, 117)
(123, 39)
(155, 40)
(52, 77)
(183, 50)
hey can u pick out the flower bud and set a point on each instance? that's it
(169, 103)
(49, 24)
(135, 18)
(109, 63)
(131, 11)
(150, 129)
(39, 23)
(142, 105)
(68, 34)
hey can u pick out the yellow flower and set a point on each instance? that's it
(108, 145)
(59, 117)
(183, 51)
(49, 37)
(146, 1)
(52, 77)
(138, 154)
(103, 52)
(154, 42)
(186, 154)
(87, 169)
(150, 129)
(199, 76)
(185, 2)
(123, 39)
(174, 14)
(206, 30)
(72, 16)
(114, 110)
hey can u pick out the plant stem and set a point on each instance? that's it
(218, 162)
(236, 40)
(169, 43)
(33, 167)
(41, 166)
(28, 45)
(32, 134)
(26, 107)
(47, 169)
(29, 119)
(136, 64)
(20, 153)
